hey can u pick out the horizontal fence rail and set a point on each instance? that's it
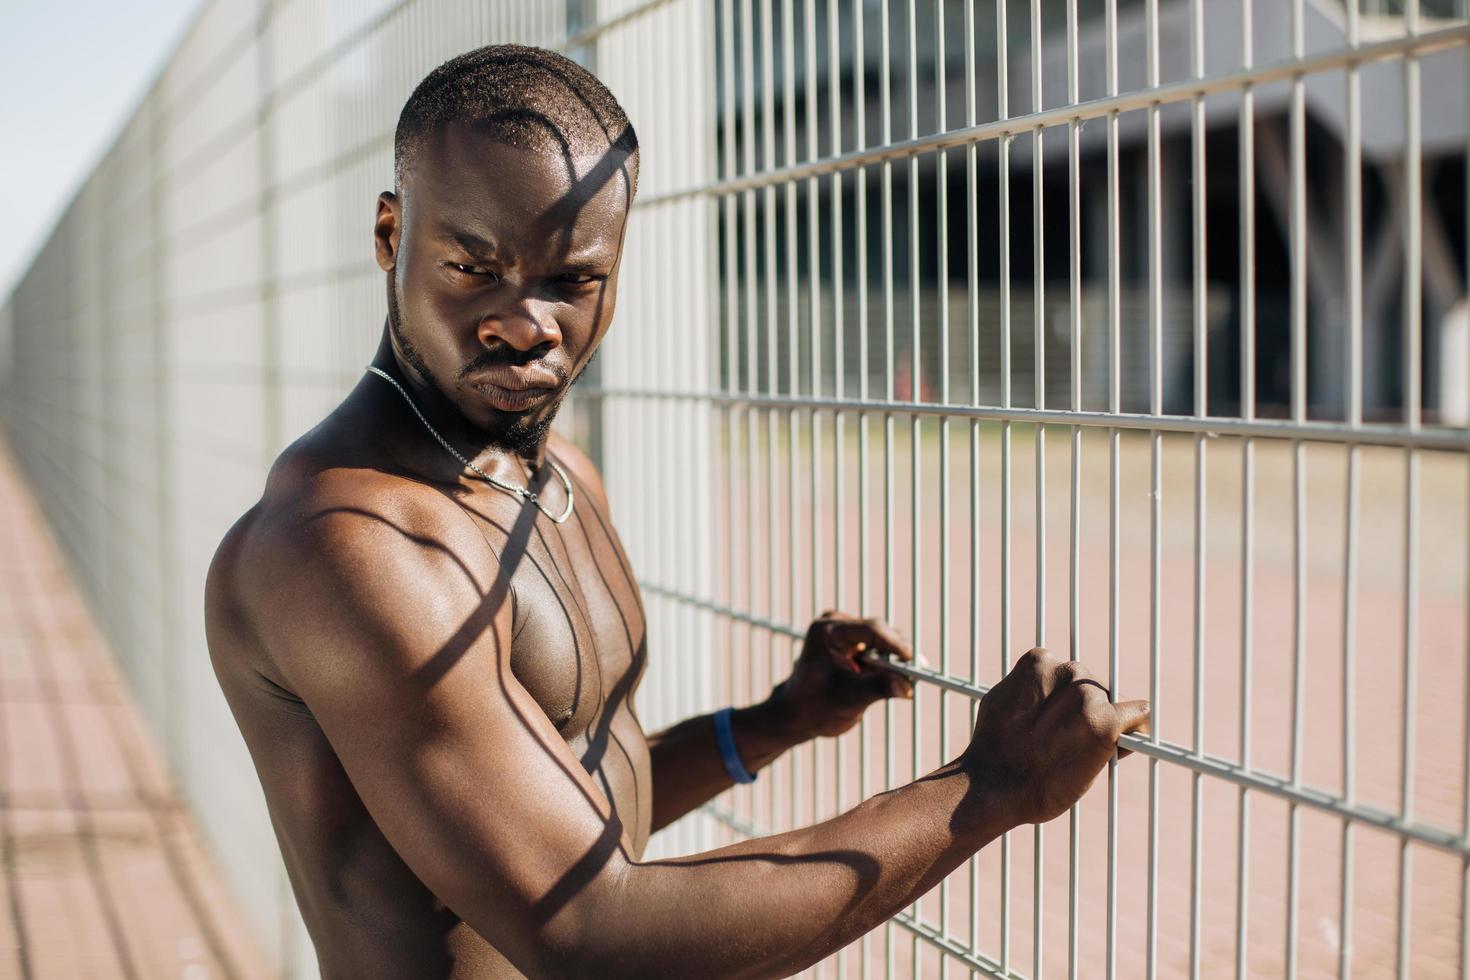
(1448, 840)
(1415, 45)
(1448, 439)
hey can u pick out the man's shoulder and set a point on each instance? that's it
(343, 572)
(310, 483)
(326, 518)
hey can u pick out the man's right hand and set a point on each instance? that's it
(1044, 733)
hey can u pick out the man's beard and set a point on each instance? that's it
(513, 432)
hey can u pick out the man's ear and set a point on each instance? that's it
(386, 226)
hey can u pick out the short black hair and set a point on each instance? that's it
(527, 97)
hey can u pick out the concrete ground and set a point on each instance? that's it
(102, 872)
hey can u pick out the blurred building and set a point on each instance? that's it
(977, 100)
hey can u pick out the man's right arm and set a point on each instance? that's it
(404, 659)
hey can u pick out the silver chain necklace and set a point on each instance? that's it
(522, 492)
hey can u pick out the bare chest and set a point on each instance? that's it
(578, 639)
(578, 648)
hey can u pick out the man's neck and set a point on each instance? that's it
(449, 422)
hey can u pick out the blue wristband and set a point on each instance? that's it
(728, 754)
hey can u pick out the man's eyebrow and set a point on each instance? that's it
(587, 264)
(466, 240)
(585, 260)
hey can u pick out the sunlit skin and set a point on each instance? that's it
(436, 681)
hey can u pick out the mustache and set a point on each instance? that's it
(504, 355)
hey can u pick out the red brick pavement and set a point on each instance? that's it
(102, 873)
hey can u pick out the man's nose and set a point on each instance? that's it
(525, 325)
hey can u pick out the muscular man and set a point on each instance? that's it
(435, 674)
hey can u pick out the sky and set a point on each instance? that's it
(72, 72)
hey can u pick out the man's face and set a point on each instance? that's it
(503, 269)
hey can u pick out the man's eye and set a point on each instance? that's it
(471, 270)
(580, 278)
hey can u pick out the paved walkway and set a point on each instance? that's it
(102, 873)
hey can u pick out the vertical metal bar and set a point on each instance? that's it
(678, 566)
(730, 414)
(793, 334)
(710, 431)
(1038, 320)
(915, 425)
(839, 360)
(1201, 409)
(754, 224)
(654, 372)
(1155, 271)
(972, 280)
(1074, 611)
(1115, 351)
(942, 220)
(773, 295)
(743, 422)
(1247, 207)
(1298, 262)
(814, 286)
(707, 437)
(1002, 90)
(752, 336)
(860, 141)
(690, 27)
(1038, 282)
(885, 60)
(649, 374)
(1465, 740)
(1353, 248)
(1413, 328)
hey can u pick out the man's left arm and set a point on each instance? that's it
(829, 689)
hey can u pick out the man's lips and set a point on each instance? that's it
(515, 379)
(511, 390)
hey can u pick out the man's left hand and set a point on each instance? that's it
(832, 682)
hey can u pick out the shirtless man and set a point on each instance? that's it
(435, 678)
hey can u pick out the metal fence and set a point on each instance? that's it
(1040, 321)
